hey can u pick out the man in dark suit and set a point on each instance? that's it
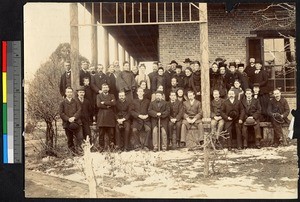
(86, 112)
(84, 73)
(192, 115)
(159, 110)
(126, 82)
(232, 113)
(244, 77)
(65, 79)
(141, 125)
(122, 134)
(111, 80)
(152, 77)
(231, 76)
(250, 69)
(278, 111)
(106, 121)
(176, 113)
(252, 110)
(99, 79)
(70, 113)
(168, 75)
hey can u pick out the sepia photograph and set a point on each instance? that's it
(178, 100)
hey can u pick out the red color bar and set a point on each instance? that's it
(4, 56)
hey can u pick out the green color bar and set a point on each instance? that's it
(4, 113)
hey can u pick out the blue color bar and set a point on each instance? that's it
(5, 149)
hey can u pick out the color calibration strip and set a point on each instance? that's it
(12, 105)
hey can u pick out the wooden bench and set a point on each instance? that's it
(268, 133)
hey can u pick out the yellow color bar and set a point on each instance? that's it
(4, 88)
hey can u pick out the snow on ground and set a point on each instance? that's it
(179, 174)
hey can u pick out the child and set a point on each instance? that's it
(238, 91)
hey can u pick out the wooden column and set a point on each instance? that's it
(94, 42)
(74, 42)
(116, 49)
(205, 82)
(106, 48)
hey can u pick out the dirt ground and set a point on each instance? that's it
(252, 173)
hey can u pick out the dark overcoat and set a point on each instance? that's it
(281, 107)
(262, 79)
(86, 110)
(123, 110)
(140, 107)
(84, 74)
(254, 109)
(176, 110)
(97, 80)
(65, 81)
(106, 114)
(70, 109)
(215, 107)
(163, 107)
(227, 107)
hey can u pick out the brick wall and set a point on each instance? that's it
(227, 35)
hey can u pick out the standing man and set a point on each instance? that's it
(250, 69)
(244, 77)
(106, 121)
(141, 125)
(111, 80)
(176, 112)
(192, 115)
(98, 80)
(123, 108)
(179, 75)
(231, 76)
(84, 73)
(65, 79)
(126, 82)
(159, 110)
(195, 81)
(278, 110)
(152, 77)
(86, 113)
(252, 110)
(70, 112)
(232, 112)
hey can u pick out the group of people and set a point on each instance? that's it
(135, 110)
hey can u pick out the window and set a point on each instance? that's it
(280, 63)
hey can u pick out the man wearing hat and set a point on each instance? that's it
(192, 115)
(173, 64)
(70, 112)
(252, 110)
(232, 113)
(106, 121)
(231, 75)
(141, 125)
(195, 81)
(86, 112)
(159, 111)
(244, 77)
(186, 63)
(278, 111)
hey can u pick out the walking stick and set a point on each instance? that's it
(158, 133)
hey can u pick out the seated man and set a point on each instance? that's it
(278, 111)
(192, 115)
(159, 110)
(140, 121)
(123, 122)
(232, 112)
(70, 112)
(217, 123)
(106, 121)
(252, 110)
(176, 110)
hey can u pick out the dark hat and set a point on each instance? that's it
(222, 64)
(233, 114)
(250, 122)
(73, 126)
(173, 61)
(220, 60)
(178, 66)
(159, 91)
(241, 65)
(160, 68)
(256, 85)
(188, 68)
(80, 88)
(277, 117)
(232, 64)
(187, 60)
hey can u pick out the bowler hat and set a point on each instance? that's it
(277, 117)
(187, 60)
(73, 126)
(256, 85)
(250, 122)
(173, 61)
(233, 114)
